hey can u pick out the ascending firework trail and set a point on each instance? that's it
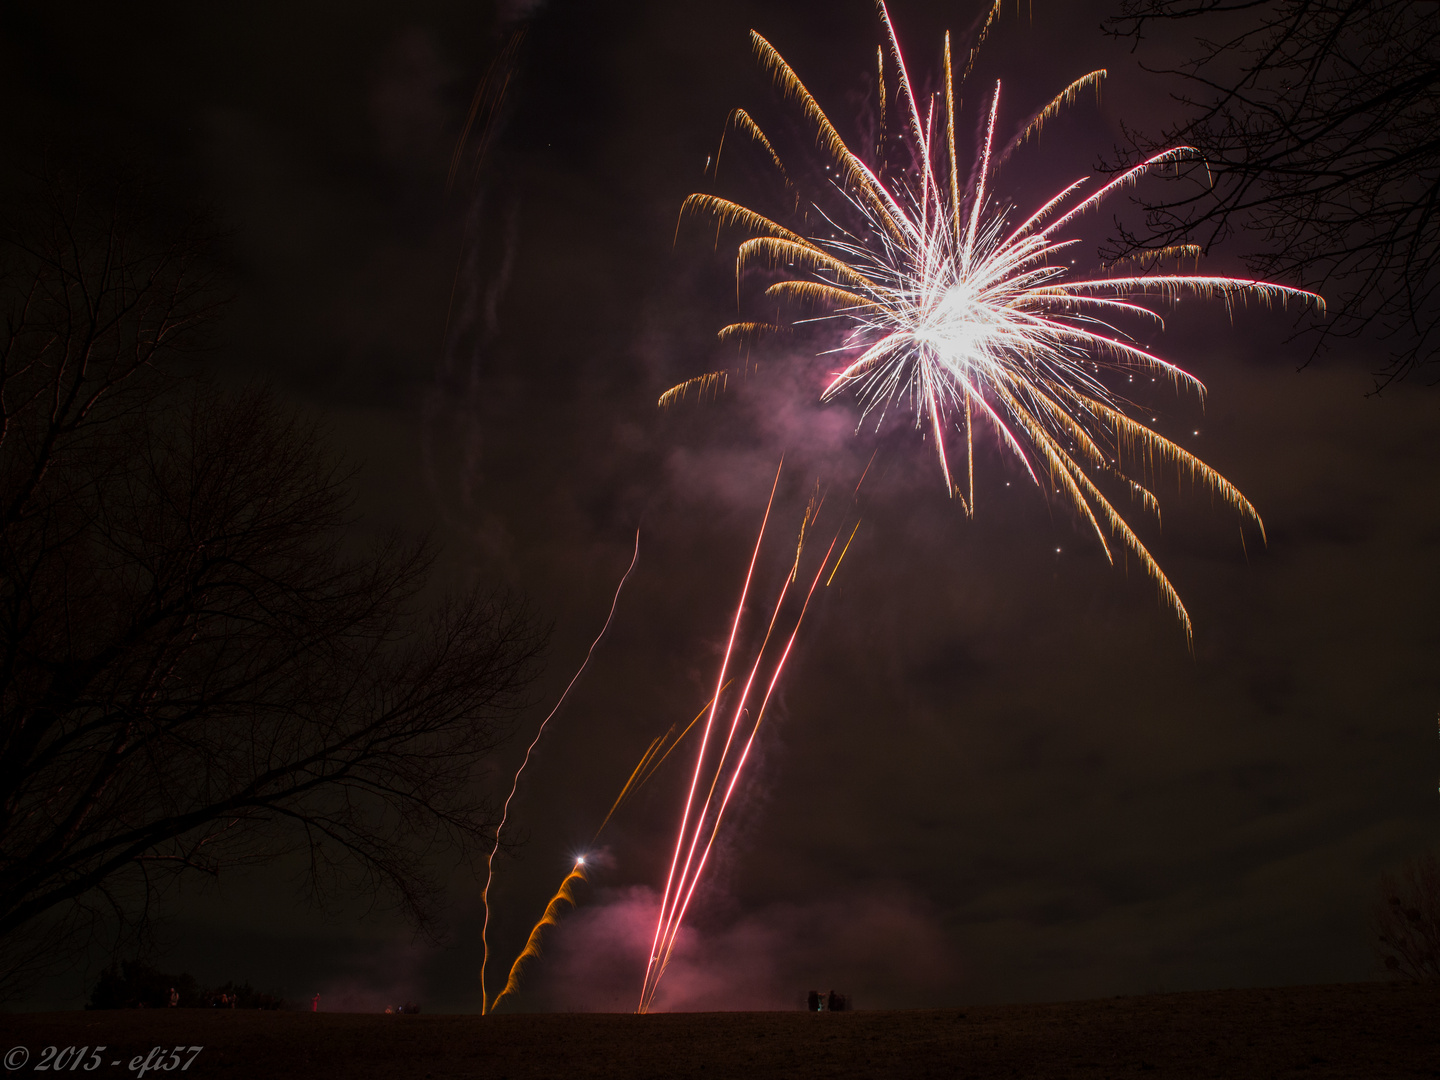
(720, 763)
(655, 754)
(514, 786)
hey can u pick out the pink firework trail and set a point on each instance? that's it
(702, 814)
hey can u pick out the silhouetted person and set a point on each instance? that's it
(174, 997)
(315, 1003)
(813, 1001)
(834, 1002)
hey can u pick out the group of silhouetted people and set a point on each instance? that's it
(831, 1002)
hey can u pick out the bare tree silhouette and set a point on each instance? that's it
(1407, 920)
(197, 669)
(1319, 125)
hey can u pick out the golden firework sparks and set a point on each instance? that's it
(946, 308)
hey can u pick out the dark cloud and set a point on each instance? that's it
(410, 100)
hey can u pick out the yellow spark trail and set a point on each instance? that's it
(842, 555)
(564, 895)
(644, 774)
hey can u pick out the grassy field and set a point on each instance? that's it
(1355, 1030)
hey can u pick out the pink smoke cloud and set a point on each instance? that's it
(883, 947)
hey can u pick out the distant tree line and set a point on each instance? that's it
(133, 984)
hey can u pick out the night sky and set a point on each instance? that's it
(995, 772)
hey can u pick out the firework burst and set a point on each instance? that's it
(947, 308)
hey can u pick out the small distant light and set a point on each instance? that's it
(1195, 433)
(580, 860)
(1057, 551)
